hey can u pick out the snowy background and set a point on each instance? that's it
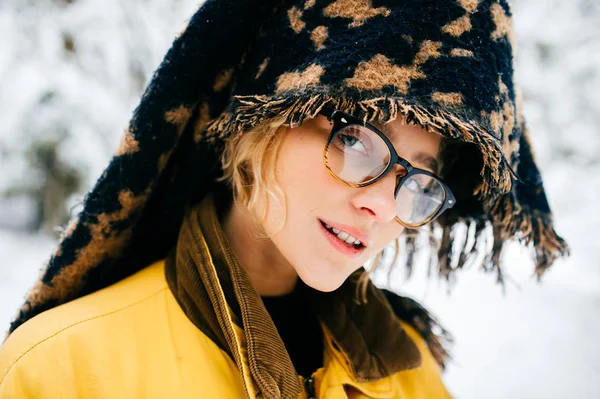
(72, 71)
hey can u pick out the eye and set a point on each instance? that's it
(353, 140)
(348, 140)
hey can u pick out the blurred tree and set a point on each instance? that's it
(558, 65)
(71, 73)
(51, 182)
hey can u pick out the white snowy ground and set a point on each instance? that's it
(537, 341)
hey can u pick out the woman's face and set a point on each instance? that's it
(314, 198)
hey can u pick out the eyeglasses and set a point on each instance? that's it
(358, 154)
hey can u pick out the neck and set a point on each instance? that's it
(270, 273)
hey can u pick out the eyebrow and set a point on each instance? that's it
(427, 160)
(420, 157)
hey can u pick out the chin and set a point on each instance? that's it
(323, 281)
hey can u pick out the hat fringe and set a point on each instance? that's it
(244, 112)
(532, 228)
(509, 223)
(452, 255)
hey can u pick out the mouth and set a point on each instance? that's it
(342, 241)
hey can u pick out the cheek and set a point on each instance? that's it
(303, 181)
(301, 173)
(310, 193)
(386, 234)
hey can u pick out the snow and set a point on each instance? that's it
(533, 341)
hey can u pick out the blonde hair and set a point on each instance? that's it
(248, 162)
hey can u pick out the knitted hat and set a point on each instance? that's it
(444, 65)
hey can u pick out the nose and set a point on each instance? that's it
(377, 200)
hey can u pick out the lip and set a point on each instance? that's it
(353, 231)
(348, 250)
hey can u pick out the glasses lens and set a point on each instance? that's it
(357, 155)
(419, 199)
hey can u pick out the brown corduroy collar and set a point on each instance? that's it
(215, 292)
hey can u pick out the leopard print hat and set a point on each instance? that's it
(445, 65)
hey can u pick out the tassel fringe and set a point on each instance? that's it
(247, 111)
(532, 229)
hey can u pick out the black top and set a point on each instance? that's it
(299, 329)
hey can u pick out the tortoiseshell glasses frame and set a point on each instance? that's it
(342, 120)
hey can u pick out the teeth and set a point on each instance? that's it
(342, 235)
(347, 238)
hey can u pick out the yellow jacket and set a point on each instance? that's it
(133, 340)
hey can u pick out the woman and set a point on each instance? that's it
(278, 149)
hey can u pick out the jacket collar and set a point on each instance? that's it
(216, 294)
